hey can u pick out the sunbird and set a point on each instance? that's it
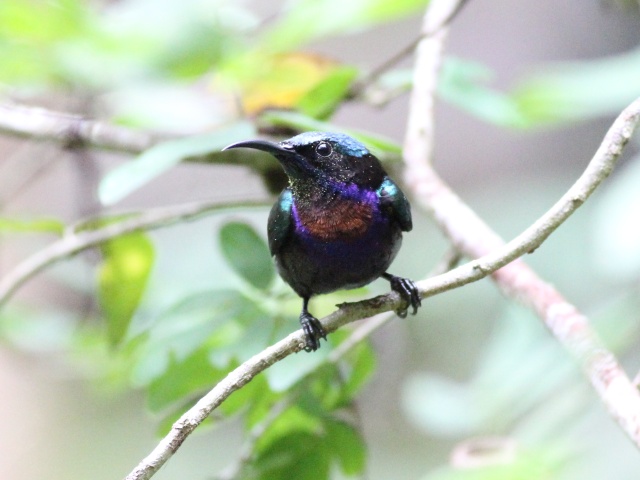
(339, 223)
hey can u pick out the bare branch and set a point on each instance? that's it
(420, 126)
(38, 123)
(371, 325)
(67, 129)
(72, 243)
(436, 25)
(471, 236)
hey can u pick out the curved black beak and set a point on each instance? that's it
(293, 163)
(275, 149)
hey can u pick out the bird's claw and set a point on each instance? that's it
(409, 293)
(313, 331)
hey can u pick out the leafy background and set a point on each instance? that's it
(93, 372)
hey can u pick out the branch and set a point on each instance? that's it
(371, 325)
(75, 242)
(604, 160)
(471, 236)
(419, 137)
(70, 129)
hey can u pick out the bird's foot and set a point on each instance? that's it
(313, 331)
(408, 291)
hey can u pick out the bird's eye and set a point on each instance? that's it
(323, 149)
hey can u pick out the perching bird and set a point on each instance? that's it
(339, 223)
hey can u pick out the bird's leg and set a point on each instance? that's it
(311, 327)
(407, 290)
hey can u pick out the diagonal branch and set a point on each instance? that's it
(472, 237)
(73, 242)
(603, 161)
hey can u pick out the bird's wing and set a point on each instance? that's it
(392, 199)
(280, 221)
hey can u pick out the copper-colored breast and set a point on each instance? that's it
(340, 220)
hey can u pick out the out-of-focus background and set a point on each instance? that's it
(471, 364)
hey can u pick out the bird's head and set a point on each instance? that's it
(322, 156)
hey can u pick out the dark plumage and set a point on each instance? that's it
(339, 223)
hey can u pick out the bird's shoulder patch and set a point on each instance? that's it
(339, 220)
(279, 224)
(393, 200)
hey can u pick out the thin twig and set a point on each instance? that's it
(604, 160)
(434, 27)
(72, 243)
(475, 239)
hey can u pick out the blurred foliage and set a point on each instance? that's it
(163, 156)
(578, 90)
(236, 240)
(527, 466)
(615, 230)
(42, 225)
(122, 279)
(214, 70)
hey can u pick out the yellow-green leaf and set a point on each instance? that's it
(158, 159)
(122, 278)
(41, 225)
(247, 254)
(322, 100)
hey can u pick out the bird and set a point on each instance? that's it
(338, 224)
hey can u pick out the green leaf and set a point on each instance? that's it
(300, 455)
(358, 367)
(320, 391)
(398, 80)
(568, 92)
(581, 89)
(462, 84)
(346, 445)
(183, 378)
(247, 254)
(266, 81)
(252, 396)
(122, 278)
(292, 420)
(28, 33)
(322, 100)
(43, 22)
(262, 404)
(286, 443)
(308, 20)
(160, 158)
(40, 225)
(203, 317)
(275, 454)
(378, 145)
